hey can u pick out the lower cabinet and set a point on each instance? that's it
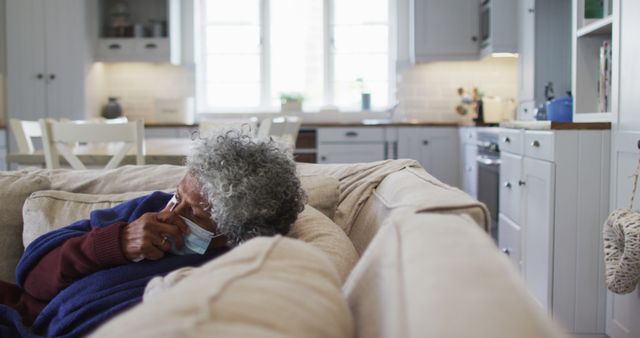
(623, 310)
(436, 148)
(554, 200)
(351, 145)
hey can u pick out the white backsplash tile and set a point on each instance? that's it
(429, 91)
(425, 91)
(138, 85)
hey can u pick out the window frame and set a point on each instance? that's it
(200, 66)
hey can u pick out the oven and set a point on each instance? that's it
(488, 160)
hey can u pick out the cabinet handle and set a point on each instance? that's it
(507, 185)
(151, 46)
(114, 46)
(521, 183)
(638, 144)
(351, 134)
(40, 77)
(531, 10)
(474, 38)
(52, 76)
(507, 140)
(535, 144)
(425, 142)
(469, 169)
(506, 251)
(323, 158)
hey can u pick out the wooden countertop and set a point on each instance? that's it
(550, 125)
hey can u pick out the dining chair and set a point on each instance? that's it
(60, 139)
(273, 127)
(291, 130)
(24, 132)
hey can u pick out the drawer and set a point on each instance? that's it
(510, 240)
(468, 135)
(511, 186)
(114, 49)
(539, 144)
(152, 49)
(511, 140)
(351, 153)
(342, 135)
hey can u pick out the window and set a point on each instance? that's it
(330, 51)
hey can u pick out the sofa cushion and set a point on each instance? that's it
(16, 187)
(317, 229)
(267, 287)
(48, 210)
(322, 190)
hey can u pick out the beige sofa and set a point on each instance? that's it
(390, 252)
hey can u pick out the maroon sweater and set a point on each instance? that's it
(74, 259)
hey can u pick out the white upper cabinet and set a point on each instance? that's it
(498, 23)
(152, 31)
(48, 58)
(444, 30)
(544, 48)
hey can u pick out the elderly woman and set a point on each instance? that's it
(72, 279)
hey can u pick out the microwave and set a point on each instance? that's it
(485, 23)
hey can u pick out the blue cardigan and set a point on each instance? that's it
(88, 302)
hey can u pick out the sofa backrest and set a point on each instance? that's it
(439, 275)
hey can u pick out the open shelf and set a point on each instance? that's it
(598, 27)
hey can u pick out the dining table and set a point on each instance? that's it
(157, 151)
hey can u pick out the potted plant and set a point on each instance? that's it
(291, 102)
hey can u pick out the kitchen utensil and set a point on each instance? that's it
(560, 109)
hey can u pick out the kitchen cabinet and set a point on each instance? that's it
(469, 163)
(554, 193)
(436, 148)
(544, 48)
(498, 27)
(351, 145)
(167, 47)
(169, 132)
(444, 30)
(48, 58)
(623, 311)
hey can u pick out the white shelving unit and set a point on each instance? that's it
(588, 37)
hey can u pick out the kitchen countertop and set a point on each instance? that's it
(364, 123)
(549, 125)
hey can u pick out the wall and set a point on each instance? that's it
(3, 62)
(138, 85)
(429, 91)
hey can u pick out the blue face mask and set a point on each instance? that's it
(196, 242)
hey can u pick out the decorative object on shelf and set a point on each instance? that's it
(112, 109)
(604, 77)
(291, 102)
(119, 24)
(365, 95)
(621, 236)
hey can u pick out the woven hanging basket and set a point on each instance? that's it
(622, 250)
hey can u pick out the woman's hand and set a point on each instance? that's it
(148, 236)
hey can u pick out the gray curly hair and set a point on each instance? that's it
(251, 185)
